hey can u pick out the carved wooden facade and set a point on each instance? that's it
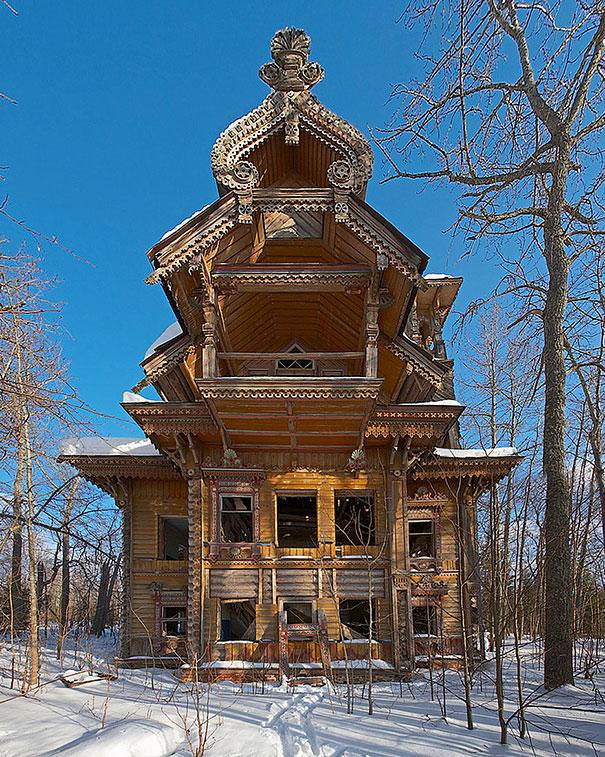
(309, 385)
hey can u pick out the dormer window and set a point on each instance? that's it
(295, 366)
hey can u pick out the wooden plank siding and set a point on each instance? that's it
(323, 574)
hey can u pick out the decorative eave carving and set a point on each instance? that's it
(415, 429)
(167, 418)
(419, 422)
(290, 107)
(427, 585)
(422, 362)
(291, 111)
(489, 468)
(106, 471)
(214, 228)
(267, 278)
(222, 220)
(289, 199)
(289, 388)
(291, 71)
(251, 476)
(387, 252)
(166, 363)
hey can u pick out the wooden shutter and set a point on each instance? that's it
(384, 612)
(325, 514)
(330, 607)
(266, 622)
(211, 620)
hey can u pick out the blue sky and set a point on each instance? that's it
(109, 146)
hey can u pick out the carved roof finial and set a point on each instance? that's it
(291, 71)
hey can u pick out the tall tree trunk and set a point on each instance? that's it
(16, 566)
(106, 587)
(65, 569)
(558, 667)
(34, 633)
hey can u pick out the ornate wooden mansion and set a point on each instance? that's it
(300, 495)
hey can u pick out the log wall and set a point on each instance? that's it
(267, 573)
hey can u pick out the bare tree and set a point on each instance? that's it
(510, 111)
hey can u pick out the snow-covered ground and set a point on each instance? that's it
(148, 713)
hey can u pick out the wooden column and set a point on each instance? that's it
(372, 330)
(194, 577)
(209, 336)
(405, 617)
(125, 629)
(403, 634)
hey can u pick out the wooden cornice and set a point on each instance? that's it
(421, 361)
(207, 228)
(490, 468)
(210, 225)
(423, 423)
(105, 471)
(168, 418)
(286, 387)
(167, 358)
(286, 278)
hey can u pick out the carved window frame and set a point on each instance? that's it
(168, 598)
(235, 486)
(425, 564)
(221, 511)
(429, 601)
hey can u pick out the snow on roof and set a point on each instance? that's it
(107, 445)
(432, 403)
(133, 397)
(171, 332)
(476, 453)
(438, 276)
(182, 223)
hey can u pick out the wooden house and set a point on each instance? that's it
(299, 496)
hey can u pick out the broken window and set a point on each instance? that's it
(238, 620)
(298, 613)
(295, 366)
(296, 520)
(356, 618)
(424, 620)
(421, 538)
(174, 538)
(236, 518)
(174, 621)
(354, 520)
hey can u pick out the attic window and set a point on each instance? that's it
(296, 365)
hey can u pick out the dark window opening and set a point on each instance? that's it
(354, 520)
(295, 365)
(238, 621)
(236, 519)
(357, 618)
(174, 621)
(424, 620)
(296, 521)
(174, 538)
(298, 613)
(422, 538)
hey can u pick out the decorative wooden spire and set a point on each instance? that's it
(291, 71)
